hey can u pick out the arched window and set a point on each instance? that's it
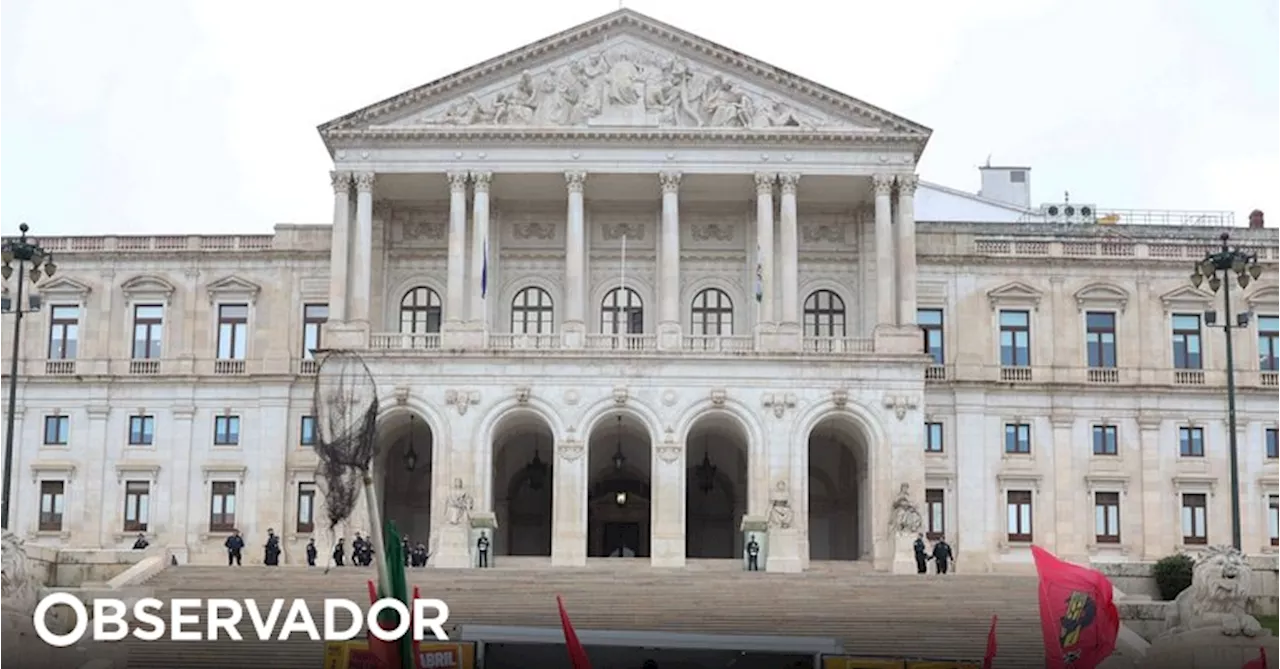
(532, 312)
(622, 312)
(712, 313)
(420, 311)
(824, 315)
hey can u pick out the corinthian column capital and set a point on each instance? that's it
(364, 182)
(789, 181)
(341, 181)
(907, 184)
(764, 182)
(458, 181)
(883, 183)
(481, 181)
(575, 181)
(670, 181)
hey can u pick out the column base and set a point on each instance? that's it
(462, 335)
(669, 336)
(973, 562)
(667, 553)
(454, 548)
(568, 551)
(784, 551)
(573, 334)
(904, 558)
(788, 338)
(347, 335)
(898, 339)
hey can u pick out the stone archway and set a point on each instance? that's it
(839, 491)
(406, 453)
(524, 450)
(619, 498)
(716, 490)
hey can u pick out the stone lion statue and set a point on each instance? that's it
(20, 590)
(1217, 598)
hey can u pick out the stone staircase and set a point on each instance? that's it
(871, 613)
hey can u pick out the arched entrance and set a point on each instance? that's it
(618, 492)
(523, 454)
(716, 488)
(839, 491)
(405, 454)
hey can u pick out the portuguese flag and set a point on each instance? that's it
(393, 654)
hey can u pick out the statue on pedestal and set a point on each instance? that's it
(905, 517)
(460, 504)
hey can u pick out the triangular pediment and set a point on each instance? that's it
(233, 288)
(1186, 297)
(1264, 298)
(1102, 295)
(1015, 293)
(63, 286)
(627, 71)
(147, 285)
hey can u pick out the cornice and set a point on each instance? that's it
(378, 135)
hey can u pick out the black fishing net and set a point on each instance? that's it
(345, 406)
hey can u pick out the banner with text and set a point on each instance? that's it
(356, 655)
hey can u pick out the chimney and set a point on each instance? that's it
(1010, 185)
(1255, 219)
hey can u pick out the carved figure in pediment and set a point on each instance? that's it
(620, 85)
(466, 112)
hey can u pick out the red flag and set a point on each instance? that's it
(387, 652)
(1260, 662)
(1078, 618)
(577, 654)
(990, 656)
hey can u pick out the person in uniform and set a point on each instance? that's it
(312, 551)
(482, 550)
(142, 543)
(942, 556)
(235, 548)
(753, 554)
(922, 556)
(271, 551)
(339, 553)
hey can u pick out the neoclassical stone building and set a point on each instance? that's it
(635, 293)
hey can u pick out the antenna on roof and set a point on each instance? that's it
(988, 160)
(1066, 197)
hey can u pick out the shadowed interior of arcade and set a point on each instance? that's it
(523, 480)
(619, 496)
(716, 487)
(839, 491)
(405, 451)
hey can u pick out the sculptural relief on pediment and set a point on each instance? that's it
(413, 226)
(626, 83)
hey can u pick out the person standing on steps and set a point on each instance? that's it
(312, 551)
(406, 547)
(482, 551)
(922, 557)
(753, 554)
(142, 543)
(235, 547)
(272, 551)
(339, 553)
(941, 555)
(357, 550)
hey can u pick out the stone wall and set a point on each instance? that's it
(77, 567)
(1135, 579)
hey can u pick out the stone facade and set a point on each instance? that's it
(634, 292)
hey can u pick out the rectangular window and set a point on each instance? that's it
(142, 430)
(933, 437)
(1106, 517)
(1194, 519)
(1191, 442)
(936, 509)
(233, 331)
(306, 508)
(1015, 338)
(314, 316)
(51, 505)
(1269, 343)
(1017, 438)
(1272, 437)
(1104, 440)
(226, 430)
(64, 331)
(1273, 519)
(148, 331)
(307, 431)
(222, 506)
(57, 429)
(930, 321)
(137, 505)
(1019, 503)
(1186, 342)
(1100, 339)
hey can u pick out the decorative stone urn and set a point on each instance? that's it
(22, 591)
(1208, 626)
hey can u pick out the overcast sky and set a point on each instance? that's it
(165, 116)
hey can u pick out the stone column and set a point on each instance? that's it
(96, 518)
(764, 252)
(886, 273)
(454, 305)
(669, 291)
(569, 505)
(339, 246)
(1160, 504)
(1067, 502)
(479, 247)
(906, 225)
(667, 540)
(362, 264)
(976, 491)
(790, 253)
(575, 261)
(184, 491)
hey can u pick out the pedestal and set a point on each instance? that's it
(454, 549)
(904, 557)
(755, 527)
(669, 338)
(1208, 649)
(349, 335)
(784, 551)
(573, 334)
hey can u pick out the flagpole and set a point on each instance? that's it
(622, 293)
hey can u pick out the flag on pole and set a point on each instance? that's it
(1260, 662)
(392, 654)
(759, 275)
(1077, 616)
(990, 657)
(484, 269)
(577, 654)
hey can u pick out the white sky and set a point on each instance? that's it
(165, 116)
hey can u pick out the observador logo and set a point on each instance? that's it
(109, 622)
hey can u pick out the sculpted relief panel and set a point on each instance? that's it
(625, 83)
(415, 226)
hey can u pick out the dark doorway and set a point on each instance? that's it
(622, 539)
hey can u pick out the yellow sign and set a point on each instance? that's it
(356, 655)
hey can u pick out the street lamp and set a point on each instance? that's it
(1217, 268)
(23, 251)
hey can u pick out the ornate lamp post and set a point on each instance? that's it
(24, 252)
(1217, 268)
